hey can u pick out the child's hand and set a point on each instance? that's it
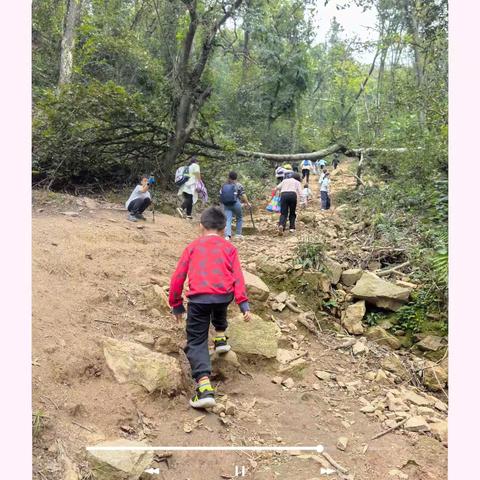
(247, 316)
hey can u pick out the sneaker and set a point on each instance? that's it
(189, 217)
(132, 218)
(227, 238)
(292, 230)
(140, 216)
(203, 398)
(181, 212)
(238, 237)
(280, 230)
(221, 345)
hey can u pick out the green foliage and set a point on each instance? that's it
(38, 423)
(414, 317)
(95, 132)
(310, 255)
(373, 318)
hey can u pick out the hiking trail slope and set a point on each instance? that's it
(91, 269)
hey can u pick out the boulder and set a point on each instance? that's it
(342, 443)
(416, 424)
(284, 356)
(133, 363)
(393, 364)
(119, 465)
(166, 344)
(257, 290)
(352, 318)
(156, 298)
(351, 276)
(256, 337)
(415, 398)
(296, 368)
(334, 270)
(440, 430)
(317, 281)
(224, 364)
(281, 297)
(382, 337)
(321, 375)
(430, 343)
(359, 347)
(271, 267)
(379, 292)
(435, 377)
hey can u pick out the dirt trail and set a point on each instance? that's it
(88, 277)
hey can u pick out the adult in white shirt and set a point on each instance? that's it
(189, 189)
(139, 200)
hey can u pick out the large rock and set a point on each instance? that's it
(430, 343)
(271, 267)
(379, 292)
(257, 290)
(133, 363)
(224, 364)
(334, 270)
(352, 318)
(440, 430)
(256, 337)
(435, 377)
(382, 337)
(156, 298)
(317, 281)
(119, 465)
(393, 364)
(351, 277)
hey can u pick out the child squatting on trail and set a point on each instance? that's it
(215, 278)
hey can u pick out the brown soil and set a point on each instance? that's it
(88, 275)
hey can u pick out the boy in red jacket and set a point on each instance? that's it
(215, 278)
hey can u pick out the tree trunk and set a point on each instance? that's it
(72, 16)
(187, 81)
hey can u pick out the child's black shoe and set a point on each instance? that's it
(204, 397)
(221, 345)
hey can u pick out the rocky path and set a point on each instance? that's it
(108, 365)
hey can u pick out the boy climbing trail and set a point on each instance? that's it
(215, 278)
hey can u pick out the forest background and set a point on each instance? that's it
(122, 87)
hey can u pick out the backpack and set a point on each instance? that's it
(181, 176)
(228, 194)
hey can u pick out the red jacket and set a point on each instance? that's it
(214, 274)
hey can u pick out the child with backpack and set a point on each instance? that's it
(215, 278)
(230, 195)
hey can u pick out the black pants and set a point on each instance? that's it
(139, 205)
(288, 206)
(335, 164)
(325, 200)
(306, 173)
(187, 204)
(199, 316)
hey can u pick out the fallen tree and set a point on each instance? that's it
(295, 157)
